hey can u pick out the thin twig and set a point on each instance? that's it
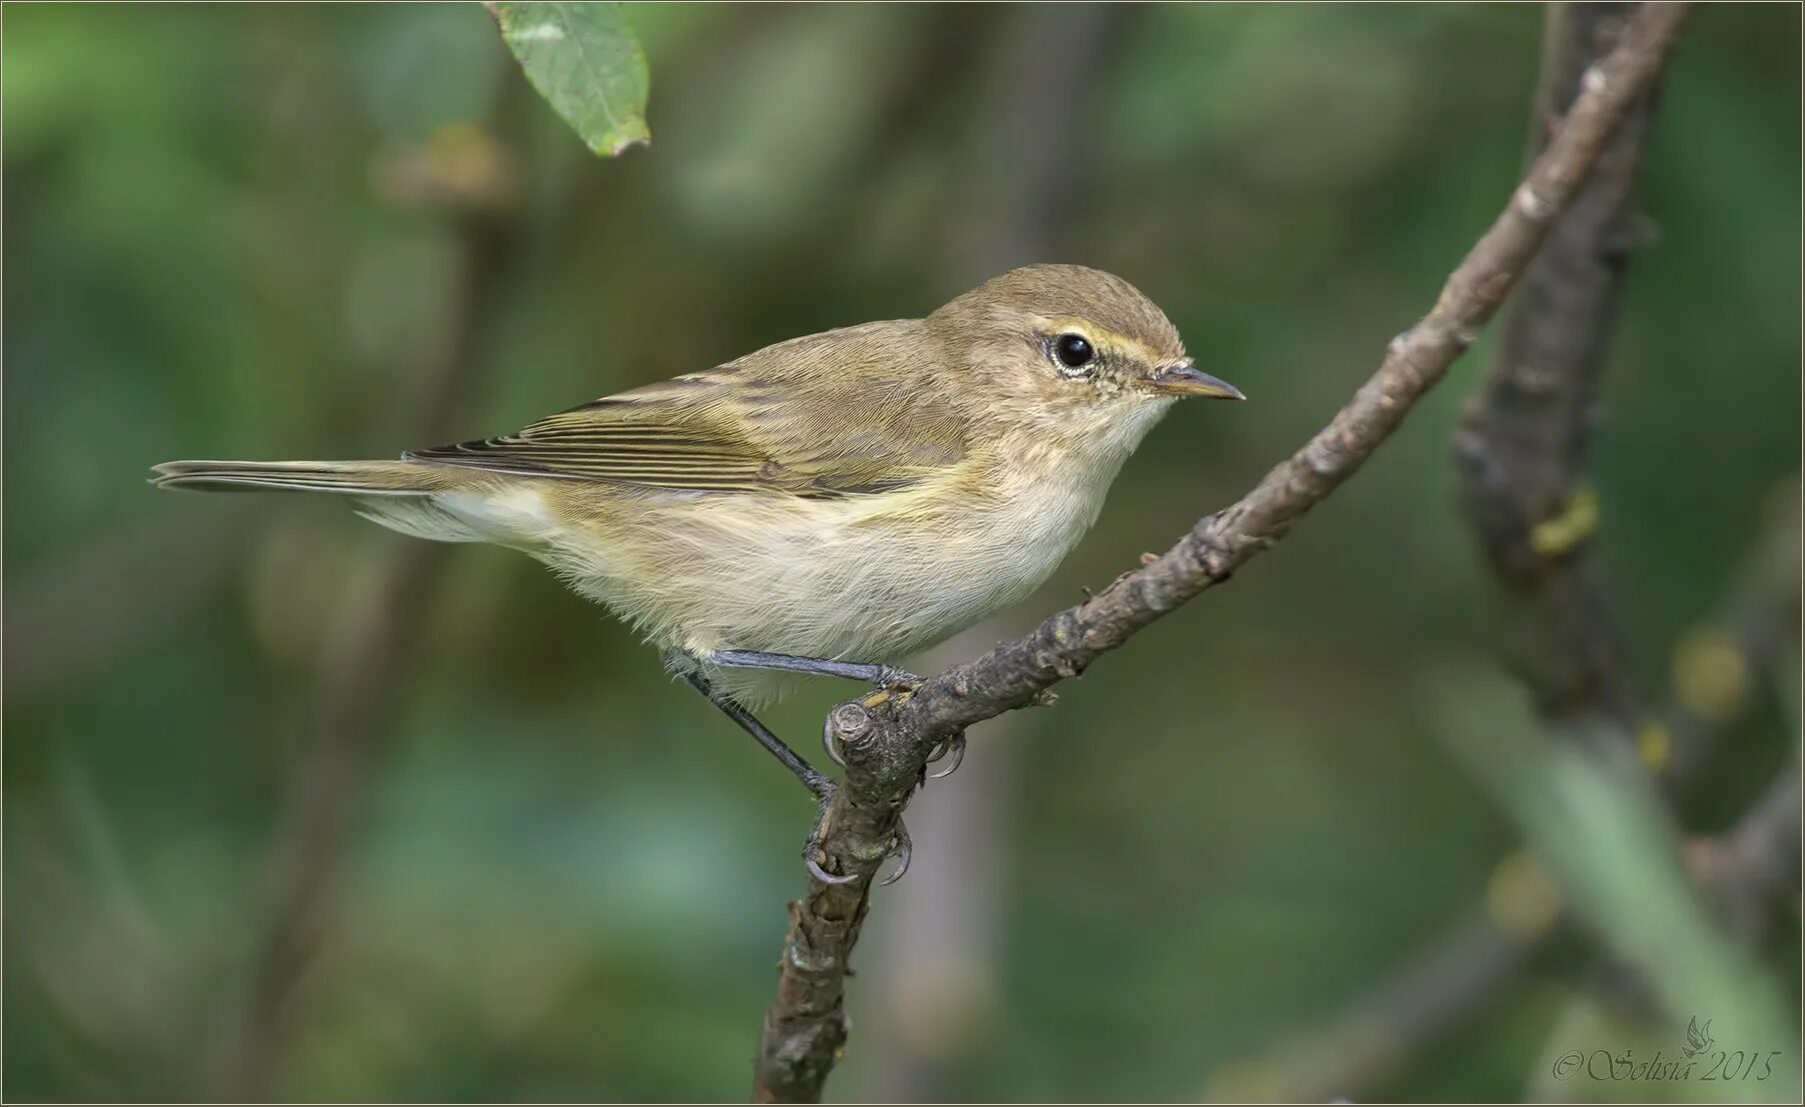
(1521, 452)
(1413, 1007)
(1522, 444)
(1435, 992)
(887, 739)
(1752, 869)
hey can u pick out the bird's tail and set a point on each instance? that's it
(416, 498)
(356, 478)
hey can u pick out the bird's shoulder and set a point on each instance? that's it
(854, 411)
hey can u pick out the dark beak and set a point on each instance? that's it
(1182, 378)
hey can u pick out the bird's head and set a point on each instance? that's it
(1066, 347)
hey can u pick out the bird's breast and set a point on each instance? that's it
(870, 578)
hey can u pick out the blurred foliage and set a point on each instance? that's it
(232, 231)
(1611, 841)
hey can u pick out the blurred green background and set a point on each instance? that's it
(277, 231)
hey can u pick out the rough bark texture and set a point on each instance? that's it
(1521, 451)
(887, 738)
(1523, 439)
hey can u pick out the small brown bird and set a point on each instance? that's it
(828, 505)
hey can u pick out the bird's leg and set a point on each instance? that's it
(812, 778)
(817, 782)
(884, 676)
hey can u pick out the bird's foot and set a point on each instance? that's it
(953, 747)
(902, 849)
(832, 747)
(813, 852)
(892, 679)
(894, 686)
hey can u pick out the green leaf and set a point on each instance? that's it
(584, 60)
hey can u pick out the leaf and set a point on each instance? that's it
(585, 61)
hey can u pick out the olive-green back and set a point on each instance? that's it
(854, 411)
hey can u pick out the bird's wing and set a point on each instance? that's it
(825, 416)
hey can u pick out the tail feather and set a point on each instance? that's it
(408, 496)
(357, 478)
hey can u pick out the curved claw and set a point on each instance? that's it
(812, 847)
(828, 743)
(905, 849)
(815, 870)
(954, 747)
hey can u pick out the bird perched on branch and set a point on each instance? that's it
(830, 504)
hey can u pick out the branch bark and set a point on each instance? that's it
(1521, 451)
(1752, 869)
(887, 739)
(1521, 447)
(1749, 869)
(1435, 992)
(931, 967)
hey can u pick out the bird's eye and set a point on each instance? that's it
(1074, 351)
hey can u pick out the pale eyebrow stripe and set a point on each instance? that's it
(1104, 336)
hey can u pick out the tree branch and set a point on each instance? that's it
(887, 738)
(1521, 452)
(1752, 869)
(1748, 869)
(930, 970)
(1521, 447)
(1436, 991)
